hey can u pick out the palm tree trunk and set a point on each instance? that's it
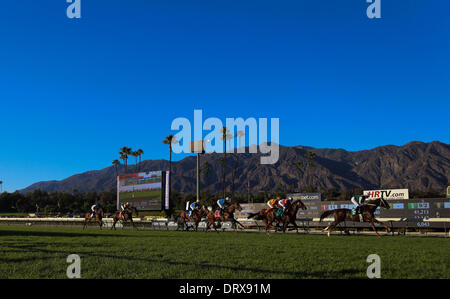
(224, 167)
(170, 170)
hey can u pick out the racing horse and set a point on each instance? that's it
(227, 215)
(291, 215)
(124, 216)
(270, 216)
(97, 217)
(367, 215)
(197, 216)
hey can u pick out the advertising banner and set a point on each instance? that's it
(306, 196)
(388, 194)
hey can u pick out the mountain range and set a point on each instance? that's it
(416, 166)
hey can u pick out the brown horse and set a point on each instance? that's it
(97, 217)
(197, 216)
(227, 215)
(289, 216)
(124, 216)
(367, 211)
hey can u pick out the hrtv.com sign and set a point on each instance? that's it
(388, 194)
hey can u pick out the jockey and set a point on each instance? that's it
(125, 206)
(192, 207)
(94, 209)
(221, 202)
(284, 203)
(272, 203)
(358, 201)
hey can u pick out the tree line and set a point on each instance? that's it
(76, 204)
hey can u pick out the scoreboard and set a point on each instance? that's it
(420, 212)
(146, 191)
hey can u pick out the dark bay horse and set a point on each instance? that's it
(270, 216)
(124, 216)
(367, 212)
(227, 215)
(196, 217)
(97, 218)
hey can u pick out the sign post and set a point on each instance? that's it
(199, 148)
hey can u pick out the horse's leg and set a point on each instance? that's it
(384, 225)
(114, 223)
(196, 225)
(295, 225)
(215, 226)
(330, 227)
(85, 222)
(208, 226)
(285, 225)
(374, 228)
(266, 225)
(132, 222)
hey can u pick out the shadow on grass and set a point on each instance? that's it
(31, 233)
(200, 266)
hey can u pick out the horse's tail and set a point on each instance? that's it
(251, 215)
(256, 215)
(325, 214)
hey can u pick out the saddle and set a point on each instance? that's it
(217, 214)
(280, 212)
(358, 212)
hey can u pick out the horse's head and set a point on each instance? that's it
(378, 202)
(204, 209)
(135, 211)
(384, 203)
(299, 204)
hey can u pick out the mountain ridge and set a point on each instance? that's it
(416, 165)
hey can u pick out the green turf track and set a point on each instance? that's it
(41, 252)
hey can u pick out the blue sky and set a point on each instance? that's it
(73, 92)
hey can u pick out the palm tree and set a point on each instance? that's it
(135, 154)
(170, 140)
(229, 137)
(225, 132)
(1, 186)
(124, 152)
(140, 152)
(116, 164)
(239, 135)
